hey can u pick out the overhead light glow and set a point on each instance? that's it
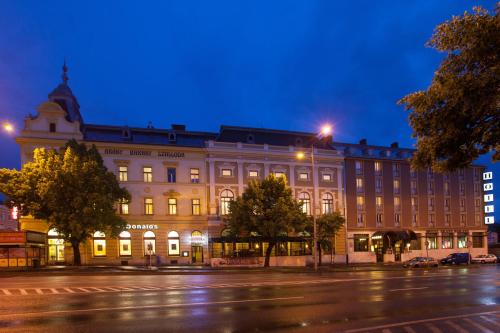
(326, 129)
(8, 127)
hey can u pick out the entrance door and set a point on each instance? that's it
(378, 246)
(56, 250)
(397, 252)
(197, 254)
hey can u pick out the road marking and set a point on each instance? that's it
(159, 306)
(403, 289)
(39, 291)
(54, 290)
(69, 290)
(408, 329)
(480, 327)
(23, 292)
(456, 327)
(379, 327)
(85, 290)
(98, 289)
(7, 292)
(433, 328)
(490, 320)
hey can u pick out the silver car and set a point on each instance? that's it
(485, 258)
(421, 262)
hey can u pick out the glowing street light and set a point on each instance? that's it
(8, 127)
(300, 155)
(326, 129)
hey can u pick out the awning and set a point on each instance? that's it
(396, 235)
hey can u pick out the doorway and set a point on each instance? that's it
(197, 254)
(378, 247)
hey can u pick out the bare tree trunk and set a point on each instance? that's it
(319, 252)
(268, 253)
(77, 260)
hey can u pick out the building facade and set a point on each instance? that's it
(181, 183)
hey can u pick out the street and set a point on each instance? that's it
(438, 300)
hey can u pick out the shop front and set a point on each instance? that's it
(22, 249)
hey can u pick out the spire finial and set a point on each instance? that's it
(65, 72)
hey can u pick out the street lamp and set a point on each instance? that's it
(326, 130)
(8, 127)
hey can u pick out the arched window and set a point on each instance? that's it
(99, 244)
(196, 238)
(149, 243)
(305, 199)
(327, 203)
(56, 246)
(173, 243)
(226, 196)
(125, 244)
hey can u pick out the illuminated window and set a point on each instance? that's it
(148, 206)
(195, 206)
(396, 184)
(327, 203)
(123, 205)
(397, 219)
(446, 187)
(194, 175)
(172, 206)
(432, 241)
(303, 176)
(360, 242)
(171, 175)
(279, 174)
(359, 184)
(378, 168)
(125, 244)
(173, 243)
(99, 244)
(123, 170)
(462, 240)
(360, 202)
(414, 203)
(149, 243)
(447, 241)
(227, 172)
(360, 219)
(378, 202)
(397, 203)
(380, 219)
(305, 200)
(226, 196)
(327, 177)
(253, 173)
(148, 174)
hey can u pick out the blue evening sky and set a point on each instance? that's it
(276, 64)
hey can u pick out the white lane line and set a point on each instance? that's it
(69, 290)
(456, 327)
(404, 289)
(85, 290)
(7, 292)
(54, 290)
(433, 328)
(39, 291)
(113, 289)
(408, 329)
(98, 289)
(23, 292)
(159, 306)
(379, 327)
(476, 325)
(490, 320)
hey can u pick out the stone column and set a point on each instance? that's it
(266, 169)
(211, 182)
(291, 181)
(317, 208)
(240, 178)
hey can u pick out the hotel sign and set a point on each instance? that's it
(489, 207)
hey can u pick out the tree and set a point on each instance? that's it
(268, 209)
(457, 118)
(71, 189)
(327, 226)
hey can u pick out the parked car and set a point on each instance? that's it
(456, 259)
(421, 262)
(485, 258)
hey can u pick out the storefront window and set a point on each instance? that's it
(416, 244)
(173, 243)
(99, 244)
(447, 241)
(56, 246)
(149, 243)
(462, 240)
(125, 244)
(477, 239)
(360, 242)
(432, 241)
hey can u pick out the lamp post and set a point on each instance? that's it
(8, 127)
(325, 131)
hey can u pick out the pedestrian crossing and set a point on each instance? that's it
(486, 322)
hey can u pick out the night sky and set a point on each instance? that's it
(276, 64)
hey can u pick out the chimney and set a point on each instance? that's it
(394, 145)
(177, 127)
(362, 142)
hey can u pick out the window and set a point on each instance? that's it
(195, 206)
(446, 187)
(360, 243)
(477, 202)
(279, 174)
(125, 244)
(148, 174)
(447, 219)
(194, 175)
(397, 219)
(396, 169)
(226, 196)
(430, 186)
(431, 219)
(360, 202)
(462, 240)
(123, 173)
(253, 174)
(149, 243)
(463, 220)
(52, 127)
(359, 184)
(359, 167)
(432, 241)
(413, 185)
(416, 244)
(303, 176)
(431, 203)
(305, 199)
(477, 219)
(414, 203)
(327, 177)
(227, 172)
(99, 244)
(173, 243)
(396, 184)
(148, 206)
(413, 173)
(462, 189)
(447, 241)
(477, 239)
(446, 204)
(361, 219)
(461, 173)
(327, 203)
(462, 204)
(171, 175)
(378, 202)
(414, 219)
(123, 207)
(172, 206)
(397, 203)
(380, 219)
(476, 188)
(378, 168)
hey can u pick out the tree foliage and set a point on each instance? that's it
(266, 208)
(457, 118)
(71, 189)
(327, 226)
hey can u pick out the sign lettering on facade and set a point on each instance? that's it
(142, 226)
(488, 198)
(170, 154)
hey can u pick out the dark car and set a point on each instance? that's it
(456, 259)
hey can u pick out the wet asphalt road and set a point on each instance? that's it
(438, 300)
